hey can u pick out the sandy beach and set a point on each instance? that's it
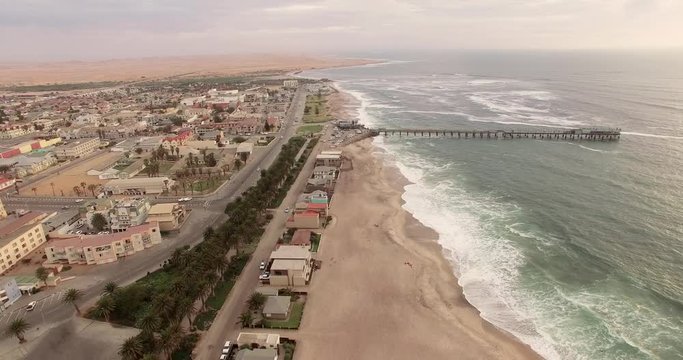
(385, 291)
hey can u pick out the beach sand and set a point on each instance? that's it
(385, 290)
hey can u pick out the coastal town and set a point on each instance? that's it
(112, 192)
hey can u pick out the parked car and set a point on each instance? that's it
(31, 306)
(79, 200)
(286, 210)
(262, 266)
(264, 275)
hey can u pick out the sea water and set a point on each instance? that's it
(575, 248)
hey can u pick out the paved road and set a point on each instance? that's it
(130, 269)
(225, 325)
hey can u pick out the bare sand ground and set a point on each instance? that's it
(385, 291)
(152, 68)
(65, 180)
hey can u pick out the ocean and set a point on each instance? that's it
(575, 248)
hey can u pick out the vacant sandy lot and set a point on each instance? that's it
(151, 68)
(65, 180)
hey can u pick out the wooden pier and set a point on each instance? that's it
(586, 134)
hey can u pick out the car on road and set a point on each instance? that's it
(79, 201)
(64, 207)
(262, 266)
(31, 306)
(264, 275)
(286, 210)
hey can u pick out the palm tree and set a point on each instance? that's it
(256, 300)
(170, 339)
(175, 188)
(110, 288)
(131, 349)
(42, 274)
(77, 190)
(53, 188)
(17, 328)
(238, 164)
(148, 323)
(177, 152)
(105, 306)
(246, 319)
(166, 184)
(84, 185)
(150, 357)
(34, 191)
(92, 188)
(71, 296)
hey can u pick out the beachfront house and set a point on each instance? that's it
(290, 266)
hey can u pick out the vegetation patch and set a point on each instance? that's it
(309, 129)
(292, 322)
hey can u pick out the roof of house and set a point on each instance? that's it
(308, 213)
(331, 152)
(288, 264)
(328, 157)
(290, 252)
(312, 205)
(99, 240)
(301, 237)
(25, 280)
(258, 338)
(160, 209)
(269, 291)
(277, 305)
(245, 147)
(256, 354)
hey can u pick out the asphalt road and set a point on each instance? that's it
(131, 268)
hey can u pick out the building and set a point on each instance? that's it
(257, 354)
(290, 266)
(169, 216)
(244, 148)
(14, 132)
(62, 222)
(329, 160)
(138, 186)
(28, 284)
(3, 212)
(301, 237)
(277, 307)
(5, 183)
(127, 213)
(30, 164)
(304, 220)
(175, 141)
(9, 292)
(270, 341)
(290, 83)
(102, 249)
(77, 148)
(19, 235)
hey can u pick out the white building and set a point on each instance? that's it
(9, 292)
(128, 213)
(77, 148)
(138, 186)
(290, 84)
(19, 235)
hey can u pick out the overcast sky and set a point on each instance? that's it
(100, 29)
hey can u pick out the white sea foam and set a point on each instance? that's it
(487, 81)
(652, 135)
(363, 116)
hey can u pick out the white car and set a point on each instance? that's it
(264, 275)
(79, 200)
(262, 266)
(286, 210)
(31, 306)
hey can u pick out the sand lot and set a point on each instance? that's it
(65, 180)
(152, 68)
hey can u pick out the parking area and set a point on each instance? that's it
(42, 305)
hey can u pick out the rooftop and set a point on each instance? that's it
(99, 240)
(258, 338)
(277, 304)
(290, 252)
(289, 264)
(139, 181)
(12, 226)
(301, 237)
(256, 354)
(162, 208)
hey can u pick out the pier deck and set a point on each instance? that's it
(588, 134)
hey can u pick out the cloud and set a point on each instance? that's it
(73, 29)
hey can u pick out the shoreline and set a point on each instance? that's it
(378, 286)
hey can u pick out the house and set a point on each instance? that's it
(277, 307)
(19, 235)
(102, 249)
(175, 141)
(290, 266)
(330, 160)
(301, 237)
(128, 213)
(78, 148)
(169, 216)
(30, 164)
(3, 211)
(60, 223)
(257, 354)
(9, 293)
(138, 186)
(244, 148)
(304, 220)
(290, 84)
(270, 341)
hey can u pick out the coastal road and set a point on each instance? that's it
(225, 325)
(129, 269)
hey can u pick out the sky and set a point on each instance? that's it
(47, 30)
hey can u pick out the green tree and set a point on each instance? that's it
(105, 307)
(131, 349)
(138, 151)
(42, 274)
(148, 323)
(256, 300)
(246, 319)
(92, 188)
(170, 339)
(99, 222)
(17, 328)
(110, 288)
(71, 297)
